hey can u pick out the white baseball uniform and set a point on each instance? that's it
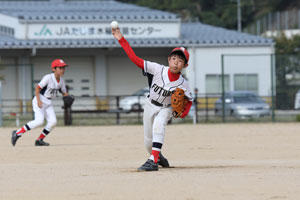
(49, 89)
(157, 110)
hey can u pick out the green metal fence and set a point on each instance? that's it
(242, 77)
(274, 78)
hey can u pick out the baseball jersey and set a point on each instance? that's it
(161, 87)
(49, 86)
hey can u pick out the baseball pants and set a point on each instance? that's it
(47, 111)
(155, 120)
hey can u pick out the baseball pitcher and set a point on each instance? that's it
(158, 110)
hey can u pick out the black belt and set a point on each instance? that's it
(158, 104)
(48, 97)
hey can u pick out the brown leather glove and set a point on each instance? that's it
(178, 102)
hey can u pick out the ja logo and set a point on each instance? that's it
(44, 31)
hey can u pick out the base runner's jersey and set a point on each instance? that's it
(161, 87)
(49, 86)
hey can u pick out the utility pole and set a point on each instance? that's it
(239, 16)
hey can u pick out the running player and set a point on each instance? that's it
(157, 110)
(47, 88)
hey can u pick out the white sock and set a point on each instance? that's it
(151, 157)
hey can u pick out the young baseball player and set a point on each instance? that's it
(157, 110)
(47, 88)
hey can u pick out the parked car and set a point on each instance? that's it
(242, 104)
(136, 101)
(297, 100)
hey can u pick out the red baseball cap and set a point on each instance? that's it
(58, 63)
(184, 52)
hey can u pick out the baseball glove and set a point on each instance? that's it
(178, 102)
(68, 100)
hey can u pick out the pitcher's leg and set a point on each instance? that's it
(148, 124)
(159, 125)
(161, 118)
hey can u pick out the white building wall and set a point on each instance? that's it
(208, 61)
(12, 22)
(10, 83)
(100, 75)
(124, 77)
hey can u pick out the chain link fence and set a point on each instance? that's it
(271, 82)
(247, 86)
(288, 84)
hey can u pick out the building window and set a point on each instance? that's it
(213, 83)
(4, 30)
(85, 88)
(247, 82)
(85, 81)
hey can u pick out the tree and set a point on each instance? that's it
(287, 70)
(218, 12)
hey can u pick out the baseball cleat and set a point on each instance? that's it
(149, 165)
(41, 143)
(162, 161)
(14, 138)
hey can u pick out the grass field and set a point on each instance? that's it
(212, 161)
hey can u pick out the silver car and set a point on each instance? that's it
(136, 101)
(242, 104)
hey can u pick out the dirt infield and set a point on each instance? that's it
(210, 162)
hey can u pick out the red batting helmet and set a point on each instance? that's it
(183, 51)
(58, 63)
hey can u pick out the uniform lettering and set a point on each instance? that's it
(161, 91)
(161, 88)
(53, 91)
(166, 93)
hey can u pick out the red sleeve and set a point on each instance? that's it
(128, 50)
(187, 109)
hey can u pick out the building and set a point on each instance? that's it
(33, 33)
